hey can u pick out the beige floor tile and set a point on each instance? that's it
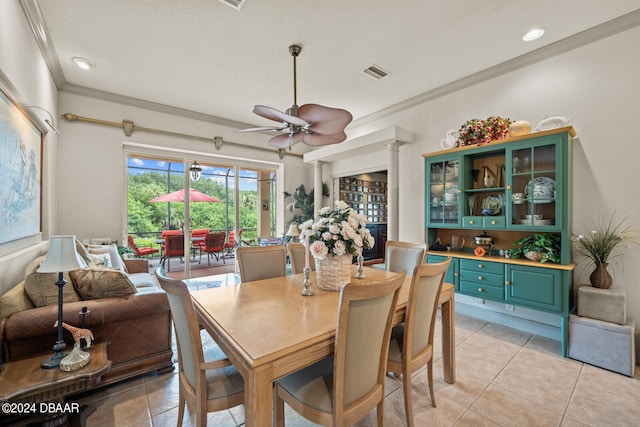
(570, 422)
(595, 409)
(472, 419)
(543, 389)
(545, 345)
(613, 387)
(122, 409)
(162, 393)
(445, 414)
(560, 368)
(466, 389)
(509, 409)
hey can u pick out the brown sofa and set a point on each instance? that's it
(136, 326)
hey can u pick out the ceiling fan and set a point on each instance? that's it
(313, 124)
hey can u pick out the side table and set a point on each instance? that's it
(28, 390)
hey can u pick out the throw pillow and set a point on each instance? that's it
(14, 301)
(83, 252)
(112, 250)
(95, 283)
(41, 287)
(100, 260)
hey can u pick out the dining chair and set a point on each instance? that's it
(261, 262)
(404, 256)
(411, 346)
(140, 252)
(173, 247)
(213, 245)
(343, 388)
(296, 258)
(208, 382)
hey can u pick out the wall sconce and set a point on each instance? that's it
(48, 121)
(196, 171)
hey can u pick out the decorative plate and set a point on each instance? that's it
(541, 189)
(493, 204)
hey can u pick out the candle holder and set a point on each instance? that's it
(360, 273)
(307, 292)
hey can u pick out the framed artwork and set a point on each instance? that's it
(20, 172)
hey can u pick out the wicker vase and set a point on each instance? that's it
(600, 277)
(333, 272)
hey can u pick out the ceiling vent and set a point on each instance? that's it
(236, 4)
(375, 72)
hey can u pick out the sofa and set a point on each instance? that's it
(125, 307)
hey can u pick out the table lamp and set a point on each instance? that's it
(62, 257)
(293, 232)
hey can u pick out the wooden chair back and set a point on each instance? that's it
(404, 256)
(296, 258)
(261, 262)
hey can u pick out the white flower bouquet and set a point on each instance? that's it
(338, 232)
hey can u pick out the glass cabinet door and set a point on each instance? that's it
(443, 192)
(533, 186)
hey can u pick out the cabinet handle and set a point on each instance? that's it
(472, 222)
(480, 266)
(508, 187)
(455, 274)
(480, 278)
(507, 282)
(480, 290)
(493, 223)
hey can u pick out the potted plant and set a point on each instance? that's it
(302, 205)
(600, 246)
(541, 247)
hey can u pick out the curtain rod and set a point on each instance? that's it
(129, 127)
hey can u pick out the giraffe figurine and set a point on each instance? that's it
(78, 333)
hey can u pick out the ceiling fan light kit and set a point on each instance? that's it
(312, 124)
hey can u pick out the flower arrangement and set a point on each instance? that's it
(600, 245)
(338, 232)
(476, 131)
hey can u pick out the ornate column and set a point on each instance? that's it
(317, 188)
(393, 188)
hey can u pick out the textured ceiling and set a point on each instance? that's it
(206, 57)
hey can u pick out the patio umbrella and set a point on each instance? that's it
(178, 196)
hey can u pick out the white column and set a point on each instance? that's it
(393, 188)
(317, 189)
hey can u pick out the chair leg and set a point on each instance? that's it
(380, 413)
(408, 401)
(430, 378)
(180, 408)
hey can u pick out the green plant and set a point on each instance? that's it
(302, 205)
(545, 244)
(600, 245)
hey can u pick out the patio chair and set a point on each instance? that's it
(208, 381)
(197, 234)
(213, 245)
(345, 387)
(232, 242)
(140, 252)
(173, 247)
(411, 346)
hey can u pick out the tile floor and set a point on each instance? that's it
(505, 377)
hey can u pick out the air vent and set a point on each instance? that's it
(236, 4)
(375, 72)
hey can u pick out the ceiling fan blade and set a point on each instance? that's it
(316, 140)
(279, 116)
(285, 140)
(262, 129)
(325, 120)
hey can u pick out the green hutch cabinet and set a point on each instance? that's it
(506, 189)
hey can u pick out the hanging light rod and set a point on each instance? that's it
(48, 121)
(129, 127)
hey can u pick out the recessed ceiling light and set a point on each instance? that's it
(85, 64)
(533, 34)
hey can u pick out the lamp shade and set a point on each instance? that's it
(293, 231)
(62, 256)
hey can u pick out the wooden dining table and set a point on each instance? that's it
(268, 329)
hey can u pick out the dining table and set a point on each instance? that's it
(268, 329)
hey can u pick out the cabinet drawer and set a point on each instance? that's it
(484, 222)
(472, 222)
(482, 277)
(482, 266)
(482, 290)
